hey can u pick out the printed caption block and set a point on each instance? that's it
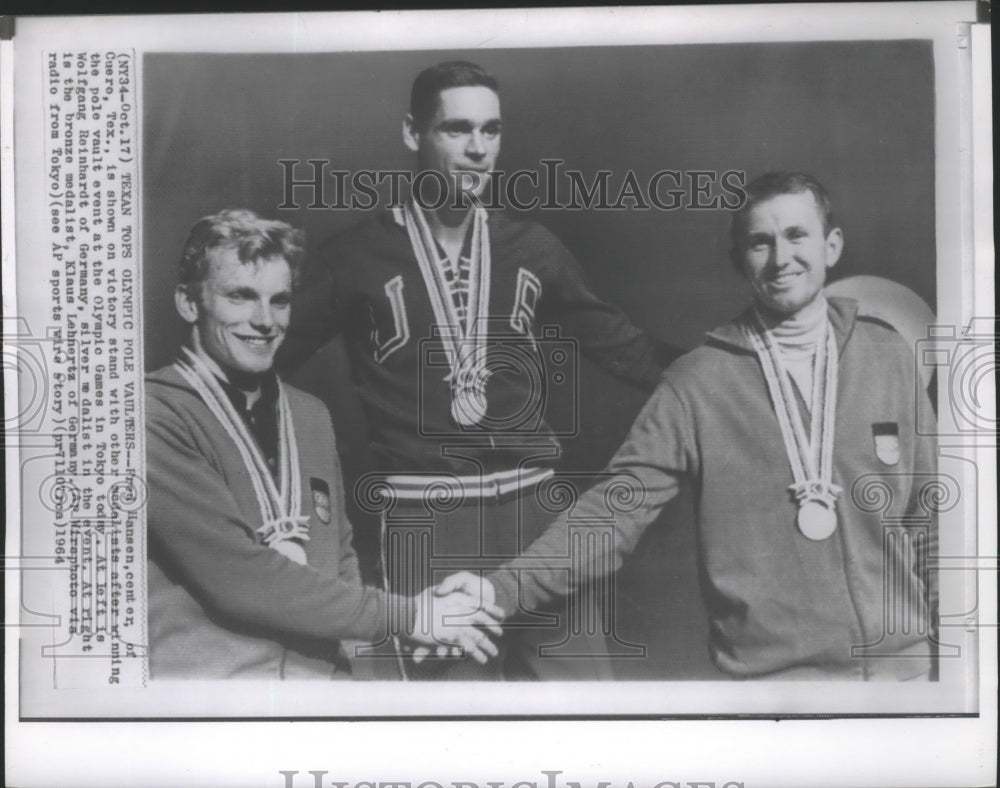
(86, 497)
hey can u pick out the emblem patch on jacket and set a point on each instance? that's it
(321, 498)
(886, 437)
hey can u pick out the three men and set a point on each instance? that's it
(778, 420)
(786, 421)
(445, 308)
(251, 569)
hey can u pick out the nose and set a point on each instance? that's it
(476, 147)
(263, 317)
(783, 252)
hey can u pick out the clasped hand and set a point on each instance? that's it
(455, 616)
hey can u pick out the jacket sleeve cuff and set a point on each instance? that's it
(402, 615)
(505, 582)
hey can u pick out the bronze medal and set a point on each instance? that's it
(816, 520)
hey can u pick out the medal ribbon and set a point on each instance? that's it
(465, 346)
(810, 457)
(280, 506)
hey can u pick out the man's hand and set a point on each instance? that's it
(474, 586)
(454, 615)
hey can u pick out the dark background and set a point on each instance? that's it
(858, 115)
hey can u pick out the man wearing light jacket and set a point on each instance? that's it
(796, 425)
(251, 569)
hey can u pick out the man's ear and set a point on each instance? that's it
(187, 303)
(411, 137)
(834, 246)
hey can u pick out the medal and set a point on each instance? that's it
(810, 456)
(468, 406)
(816, 520)
(464, 338)
(292, 551)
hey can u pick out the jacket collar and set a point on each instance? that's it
(269, 384)
(843, 315)
(268, 393)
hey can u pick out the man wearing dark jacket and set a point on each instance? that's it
(460, 324)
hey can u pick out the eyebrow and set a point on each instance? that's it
(464, 124)
(245, 292)
(763, 235)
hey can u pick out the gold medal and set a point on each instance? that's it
(817, 520)
(468, 406)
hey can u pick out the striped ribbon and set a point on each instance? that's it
(280, 506)
(464, 340)
(810, 456)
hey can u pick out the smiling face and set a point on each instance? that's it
(462, 139)
(785, 253)
(241, 313)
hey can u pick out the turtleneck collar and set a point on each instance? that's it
(802, 329)
(843, 314)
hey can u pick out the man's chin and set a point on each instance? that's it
(470, 191)
(468, 199)
(781, 307)
(254, 366)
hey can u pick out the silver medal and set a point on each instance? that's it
(810, 455)
(291, 550)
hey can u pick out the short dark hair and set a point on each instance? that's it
(251, 236)
(772, 184)
(431, 81)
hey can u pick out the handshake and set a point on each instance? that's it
(456, 618)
